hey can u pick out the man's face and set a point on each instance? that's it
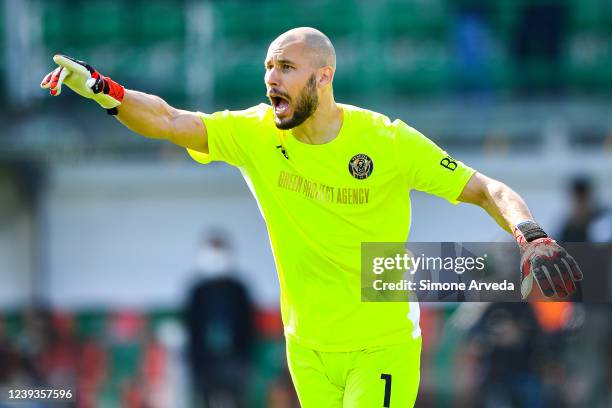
(291, 84)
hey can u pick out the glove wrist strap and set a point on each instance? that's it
(531, 230)
(108, 93)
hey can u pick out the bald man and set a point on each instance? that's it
(327, 177)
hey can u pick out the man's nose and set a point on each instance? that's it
(272, 77)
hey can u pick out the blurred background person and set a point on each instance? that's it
(584, 211)
(219, 318)
(505, 342)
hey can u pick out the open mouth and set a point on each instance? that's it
(280, 104)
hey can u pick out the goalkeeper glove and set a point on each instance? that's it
(554, 270)
(83, 79)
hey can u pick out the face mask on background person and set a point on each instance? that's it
(212, 261)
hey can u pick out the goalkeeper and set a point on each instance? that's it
(328, 176)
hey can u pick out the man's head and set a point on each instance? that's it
(300, 67)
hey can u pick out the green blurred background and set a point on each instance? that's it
(98, 227)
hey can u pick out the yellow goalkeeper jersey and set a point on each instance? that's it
(320, 202)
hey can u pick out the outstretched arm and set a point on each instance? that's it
(147, 115)
(542, 259)
(150, 116)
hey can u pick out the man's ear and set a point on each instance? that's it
(326, 75)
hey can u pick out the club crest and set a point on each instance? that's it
(361, 166)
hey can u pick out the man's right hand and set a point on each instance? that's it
(83, 79)
(147, 115)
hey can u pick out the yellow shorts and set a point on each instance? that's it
(385, 376)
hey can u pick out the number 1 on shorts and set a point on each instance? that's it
(387, 400)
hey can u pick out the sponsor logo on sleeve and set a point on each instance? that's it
(449, 163)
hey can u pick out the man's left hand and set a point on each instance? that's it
(555, 271)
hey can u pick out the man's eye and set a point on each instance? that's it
(286, 67)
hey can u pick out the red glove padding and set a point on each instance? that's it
(555, 270)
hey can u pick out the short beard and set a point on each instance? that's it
(307, 104)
